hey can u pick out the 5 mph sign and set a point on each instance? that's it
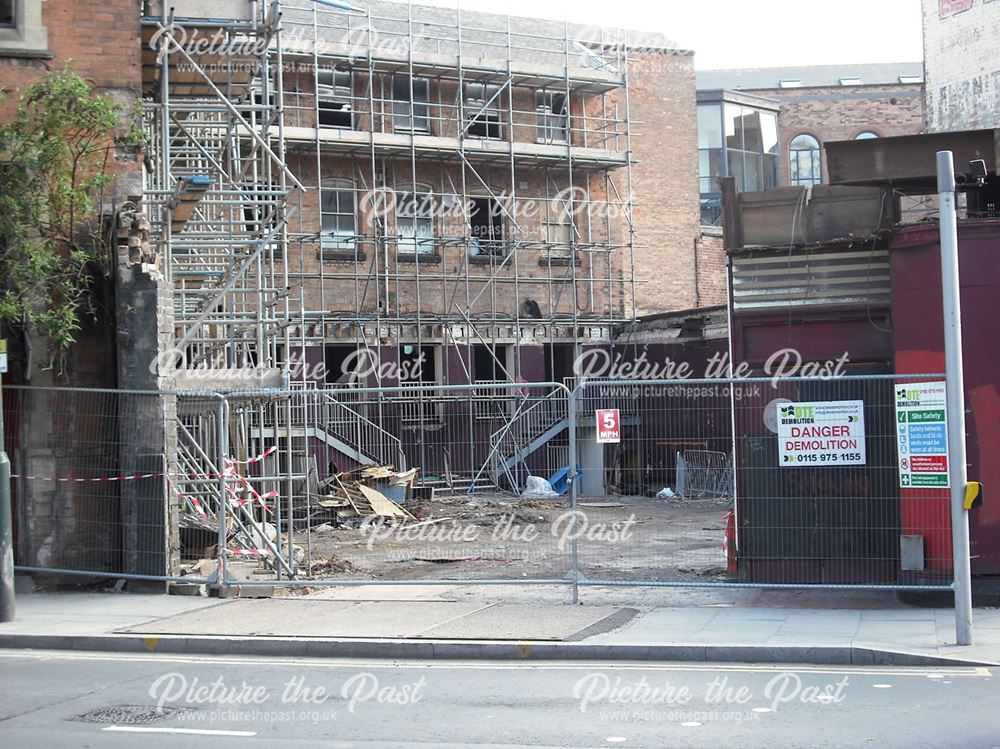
(822, 433)
(609, 425)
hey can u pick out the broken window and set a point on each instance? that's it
(486, 227)
(415, 220)
(338, 218)
(804, 166)
(482, 105)
(409, 104)
(553, 116)
(418, 368)
(334, 92)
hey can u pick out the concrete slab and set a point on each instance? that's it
(521, 622)
(305, 617)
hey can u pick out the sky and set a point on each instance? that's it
(748, 33)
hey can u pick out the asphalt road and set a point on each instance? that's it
(63, 699)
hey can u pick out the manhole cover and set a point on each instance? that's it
(129, 715)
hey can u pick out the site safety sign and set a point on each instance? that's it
(822, 433)
(922, 434)
(609, 425)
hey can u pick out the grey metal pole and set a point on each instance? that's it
(955, 389)
(572, 479)
(6, 530)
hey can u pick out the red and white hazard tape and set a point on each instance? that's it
(268, 451)
(249, 552)
(71, 480)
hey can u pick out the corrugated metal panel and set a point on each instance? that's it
(810, 277)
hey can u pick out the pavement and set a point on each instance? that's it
(442, 622)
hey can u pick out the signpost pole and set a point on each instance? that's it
(955, 388)
(6, 518)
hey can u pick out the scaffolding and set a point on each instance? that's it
(393, 177)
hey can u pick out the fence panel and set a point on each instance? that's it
(758, 481)
(90, 486)
(455, 458)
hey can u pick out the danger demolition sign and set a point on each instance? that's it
(821, 433)
(609, 425)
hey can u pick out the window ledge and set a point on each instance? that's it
(341, 255)
(486, 259)
(409, 257)
(559, 262)
(25, 54)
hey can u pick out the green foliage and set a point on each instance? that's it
(55, 156)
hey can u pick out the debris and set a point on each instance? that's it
(331, 565)
(601, 504)
(381, 505)
(536, 486)
(665, 493)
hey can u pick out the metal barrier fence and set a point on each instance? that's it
(754, 482)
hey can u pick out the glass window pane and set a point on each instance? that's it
(709, 126)
(770, 175)
(769, 132)
(735, 161)
(734, 126)
(752, 140)
(752, 173)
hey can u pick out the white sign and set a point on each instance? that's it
(3, 355)
(922, 434)
(822, 433)
(609, 425)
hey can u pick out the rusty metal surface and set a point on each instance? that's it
(909, 160)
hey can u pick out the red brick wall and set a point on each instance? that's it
(712, 277)
(99, 38)
(665, 180)
(843, 112)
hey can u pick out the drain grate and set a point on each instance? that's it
(129, 715)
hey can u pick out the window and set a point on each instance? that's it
(911, 79)
(739, 141)
(21, 28)
(851, 81)
(415, 221)
(410, 112)
(865, 135)
(486, 226)
(338, 222)
(790, 83)
(553, 117)
(334, 91)
(482, 105)
(804, 167)
(418, 367)
(557, 226)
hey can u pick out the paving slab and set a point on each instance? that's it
(523, 622)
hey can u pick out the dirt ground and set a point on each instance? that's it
(514, 538)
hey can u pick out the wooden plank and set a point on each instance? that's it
(382, 505)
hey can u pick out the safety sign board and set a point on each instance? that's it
(922, 434)
(822, 433)
(609, 425)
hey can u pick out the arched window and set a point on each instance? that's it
(338, 215)
(415, 219)
(804, 166)
(865, 135)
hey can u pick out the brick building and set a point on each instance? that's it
(812, 104)
(84, 526)
(961, 64)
